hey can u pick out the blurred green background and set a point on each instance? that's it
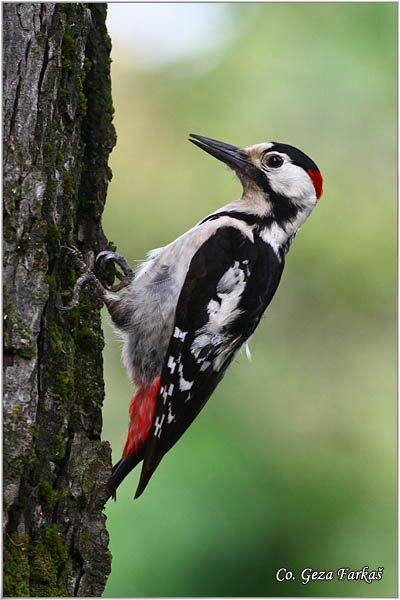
(293, 461)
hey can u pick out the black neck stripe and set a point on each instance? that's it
(248, 218)
(283, 211)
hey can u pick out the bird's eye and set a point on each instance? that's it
(274, 161)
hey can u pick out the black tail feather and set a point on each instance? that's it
(120, 470)
(144, 480)
(151, 461)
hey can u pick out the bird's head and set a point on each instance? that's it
(282, 172)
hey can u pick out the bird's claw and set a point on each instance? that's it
(105, 255)
(127, 270)
(86, 276)
(77, 257)
(81, 281)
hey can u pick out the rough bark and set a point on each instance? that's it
(57, 137)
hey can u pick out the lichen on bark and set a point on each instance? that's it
(58, 133)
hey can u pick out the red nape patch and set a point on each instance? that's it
(141, 413)
(317, 180)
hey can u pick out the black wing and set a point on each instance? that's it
(230, 282)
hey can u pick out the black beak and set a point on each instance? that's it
(231, 155)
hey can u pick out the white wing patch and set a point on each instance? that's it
(184, 385)
(221, 312)
(179, 334)
(166, 392)
(158, 426)
(225, 352)
(171, 364)
(170, 415)
(233, 277)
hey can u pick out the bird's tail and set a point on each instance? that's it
(141, 413)
(120, 470)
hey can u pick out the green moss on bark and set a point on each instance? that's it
(48, 494)
(48, 575)
(16, 566)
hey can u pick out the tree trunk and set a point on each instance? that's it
(57, 137)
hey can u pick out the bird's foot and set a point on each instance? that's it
(77, 257)
(127, 270)
(85, 277)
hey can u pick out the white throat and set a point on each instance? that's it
(280, 236)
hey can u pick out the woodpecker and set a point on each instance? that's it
(192, 304)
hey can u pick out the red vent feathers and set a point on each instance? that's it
(141, 411)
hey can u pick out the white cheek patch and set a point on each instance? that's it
(294, 183)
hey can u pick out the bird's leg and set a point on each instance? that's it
(115, 304)
(123, 263)
(85, 277)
